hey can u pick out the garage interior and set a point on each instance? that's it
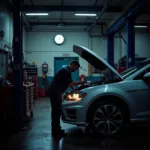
(31, 52)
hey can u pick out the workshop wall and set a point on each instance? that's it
(40, 48)
(142, 44)
(142, 38)
(99, 45)
(6, 25)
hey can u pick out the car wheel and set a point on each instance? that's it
(108, 118)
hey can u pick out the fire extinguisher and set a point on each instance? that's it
(82, 78)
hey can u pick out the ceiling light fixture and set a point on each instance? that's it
(90, 15)
(37, 14)
(140, 26)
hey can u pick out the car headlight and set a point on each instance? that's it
(75, 96)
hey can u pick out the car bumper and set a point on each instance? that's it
(75, 123)
(73, 114)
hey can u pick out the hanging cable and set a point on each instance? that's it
(95, 3)
(107, 3)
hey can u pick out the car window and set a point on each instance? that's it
(130, 73)
(127, 71)
(134, 69)
(141, 75)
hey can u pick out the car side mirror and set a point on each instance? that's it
(146, 76)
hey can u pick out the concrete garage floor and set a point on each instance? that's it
(39, 137)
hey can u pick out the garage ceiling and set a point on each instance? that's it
(74, 2)
(62, 12)
(68, 2)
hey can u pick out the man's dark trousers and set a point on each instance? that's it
(56, 99)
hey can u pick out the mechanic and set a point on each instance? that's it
(61, 81)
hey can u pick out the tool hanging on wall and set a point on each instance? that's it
(44, 76)
(45, 68)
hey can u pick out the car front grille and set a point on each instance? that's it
(71, 114)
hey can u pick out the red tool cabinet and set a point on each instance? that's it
(6, 100)
(28, 99)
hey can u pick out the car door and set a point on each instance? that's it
(143, 95)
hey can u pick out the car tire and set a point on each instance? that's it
(108, 118)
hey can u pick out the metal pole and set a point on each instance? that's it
(110, 49)
(17, 67)
(130, 42)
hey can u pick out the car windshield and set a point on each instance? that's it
(109, 76)
(132, 70)
(129, 72)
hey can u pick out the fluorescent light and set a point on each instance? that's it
(37, 14)
(90, 15)
(140, 26)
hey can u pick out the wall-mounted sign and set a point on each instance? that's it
(66, 55)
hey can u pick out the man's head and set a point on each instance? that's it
(74, 66)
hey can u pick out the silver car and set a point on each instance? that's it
(112, 102)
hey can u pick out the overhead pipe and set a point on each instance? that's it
(100, 14)
(25, 20)
(93, 6)
(133, 10)
(122, 38)
(32, 3)
(102, 32)
(56, 30)
(99, 35)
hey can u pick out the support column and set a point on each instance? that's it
(130, 42)
(17, 67)
(110, 49)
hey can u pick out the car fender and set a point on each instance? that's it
(108, 90)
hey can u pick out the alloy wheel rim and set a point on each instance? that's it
(108, 119)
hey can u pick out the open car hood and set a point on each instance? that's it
(95, 60)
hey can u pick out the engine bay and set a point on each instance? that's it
(75, 94)
(90, 84)
(102, 81)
